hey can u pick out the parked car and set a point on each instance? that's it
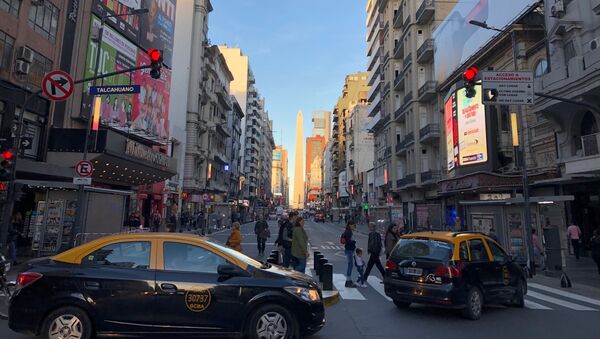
(462, 270)
(165, 284)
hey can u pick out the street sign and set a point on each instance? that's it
(82, 181)
(58, 85)
(507, 88)
(128, 89)
(26, 142)
(84, 168)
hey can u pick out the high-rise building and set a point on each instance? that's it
(298, 193)
(315, 146)
(279, 178)
(321, 121)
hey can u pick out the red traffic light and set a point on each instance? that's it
(470, 73)
(155, 55)
(7, 155)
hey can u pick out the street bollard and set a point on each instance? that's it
(272, 261)
(327, 277)
(274, 253)
(318, 263)
(274, 257)
(315, 263)
(323, 263)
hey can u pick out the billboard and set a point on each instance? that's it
(145, 114)
(472, 135)
(451, 137)
(455, 40)
(154, 29)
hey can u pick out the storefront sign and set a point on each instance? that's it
(139, 151)
(494, 196)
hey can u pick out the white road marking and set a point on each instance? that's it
(535, 306)
(377, 286)
(346, 293)
(560, 302)
(565, 294)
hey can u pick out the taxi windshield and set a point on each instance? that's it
(237, 255)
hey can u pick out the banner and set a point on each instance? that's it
(448, 118)
(128, 25)
(472, 136)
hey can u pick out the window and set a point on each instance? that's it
(541, 68)
(134, 254)
(478, 251)
(463, 251)
(190, 258)
(39, 67)
(7, 44)
(44, 20)
(10, 6)
(497, 252)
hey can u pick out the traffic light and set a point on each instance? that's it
(156, 60)
(6, 165)
(469, 77)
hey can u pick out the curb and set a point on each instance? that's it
(331, 298)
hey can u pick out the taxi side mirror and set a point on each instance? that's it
(229, 271)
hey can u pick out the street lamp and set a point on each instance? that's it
(526, 200)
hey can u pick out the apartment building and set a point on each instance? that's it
(234, 148)
(321, 121)
(279, 177)
(359, 155)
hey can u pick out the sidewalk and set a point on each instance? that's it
(581, 272)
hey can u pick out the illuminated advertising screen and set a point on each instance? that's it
(472, 136)
(448, 118)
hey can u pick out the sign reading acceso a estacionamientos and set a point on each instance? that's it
(507, 88)
(127, 89)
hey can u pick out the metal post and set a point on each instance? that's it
(526, 203)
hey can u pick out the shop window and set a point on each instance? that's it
(43, 19)
(39, 67)
(10, 6)
(7, 44)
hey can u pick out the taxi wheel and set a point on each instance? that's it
(272, 322)
(67, 322)
(474, 304)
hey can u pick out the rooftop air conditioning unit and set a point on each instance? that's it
(25, 53)
(22, 67)
(558, 9)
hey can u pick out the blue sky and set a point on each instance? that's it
(300, 52)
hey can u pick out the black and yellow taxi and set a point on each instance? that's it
(165, 284)
(462, 270)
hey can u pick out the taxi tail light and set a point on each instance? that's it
(391, 265)
(27, 278)
(447, 272)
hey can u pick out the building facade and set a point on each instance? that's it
(315, 145)
(321, 121)
(359, 155)
(279, 178)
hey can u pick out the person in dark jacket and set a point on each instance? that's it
(391, 238)
(261, 229)
(347, 239)
(596, 248)
(284, 238)
(374, 248)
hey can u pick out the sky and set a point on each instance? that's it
(299, 51)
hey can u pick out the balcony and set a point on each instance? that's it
(407, 180)
(399, 84)
(399, 49)
(408, 140)
(386, 89)
(400, 114)
(407, 61)
(425, 52)
(408, 97)
(374, 107)
(374, 75)
(377, 122)
(589, 161)
(430, 177)
(425, 12)
(431, 132)
(375, 58)
(373, 91)
(406, 21)
(387, 152)
(427, 91)
(398, 17)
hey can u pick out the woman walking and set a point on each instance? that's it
(347, 239)
(299, 245)
(235, 238)
(391, 238)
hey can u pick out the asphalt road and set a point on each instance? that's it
(367, 313)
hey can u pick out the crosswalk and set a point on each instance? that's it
(332, 247)
(539, 297)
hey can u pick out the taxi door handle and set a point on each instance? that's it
(91, 285)
(168, 288)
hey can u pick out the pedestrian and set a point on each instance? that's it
(538, 249)
(235, 238)
(340, 217)
(261, 229)
(284, 238)
(359, 262)
(299, 245)
(349, 243)
(492, 234)
(156, 219)
(574, 234)
(596, 247)
(392, 235)
(11, 241)
(374, 249)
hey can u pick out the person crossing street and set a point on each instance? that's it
(261, 229)
(374, 248)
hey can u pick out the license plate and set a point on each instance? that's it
(413, 271)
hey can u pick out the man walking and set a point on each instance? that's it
(261, 229)
(374, 248)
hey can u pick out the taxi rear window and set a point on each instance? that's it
(426, 249)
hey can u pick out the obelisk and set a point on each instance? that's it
(298, 198)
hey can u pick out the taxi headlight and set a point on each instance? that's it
(306, 294)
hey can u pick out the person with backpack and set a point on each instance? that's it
(349, 243)
(374, 248)
(261, 229)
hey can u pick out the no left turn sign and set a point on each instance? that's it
(58, 85)
(84, 168)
